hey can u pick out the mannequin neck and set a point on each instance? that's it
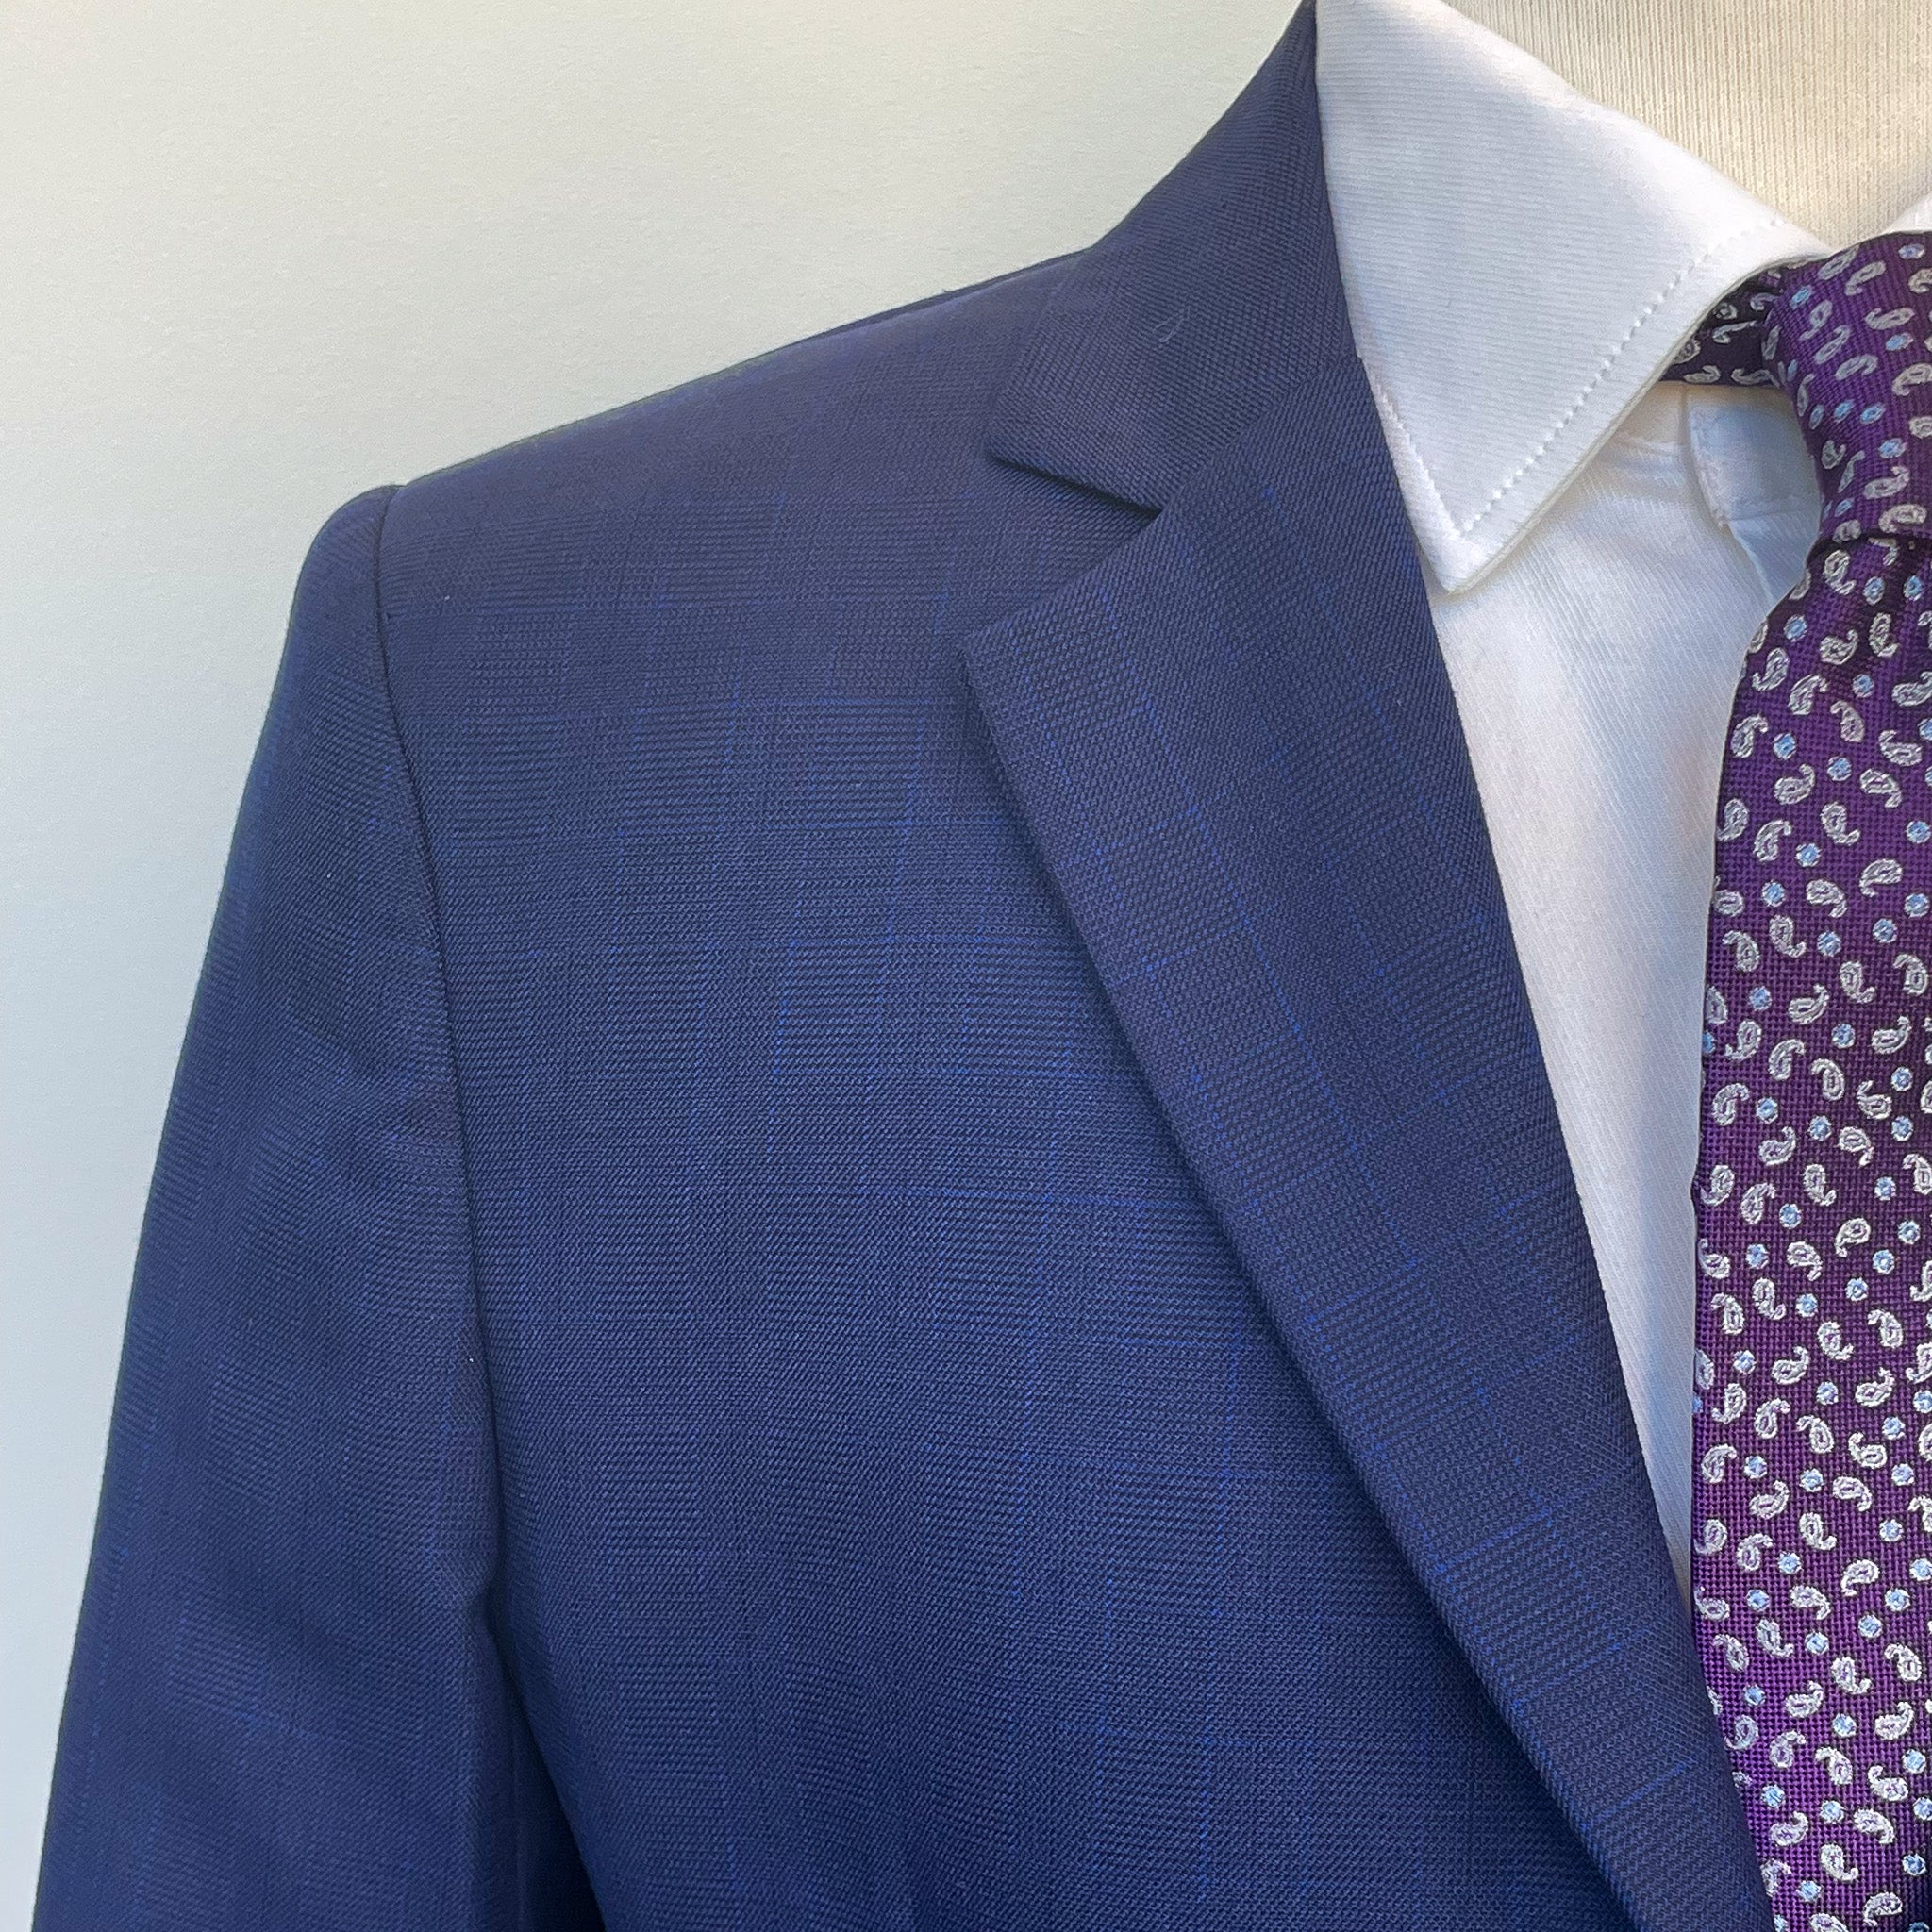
(1816, 107)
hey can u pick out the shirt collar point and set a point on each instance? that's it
(1477, 467)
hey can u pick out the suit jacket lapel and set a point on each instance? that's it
(1238, 751)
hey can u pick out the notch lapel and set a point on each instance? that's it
(1236, 746)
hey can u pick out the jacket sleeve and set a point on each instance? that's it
(286, 1707)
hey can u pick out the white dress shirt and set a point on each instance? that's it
(1521, 262)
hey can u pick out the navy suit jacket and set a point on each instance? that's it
(862, 1228)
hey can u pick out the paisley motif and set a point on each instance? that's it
(1813, 1425)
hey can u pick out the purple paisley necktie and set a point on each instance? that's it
(1813, 1431)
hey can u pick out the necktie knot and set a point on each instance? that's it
(1849, 340)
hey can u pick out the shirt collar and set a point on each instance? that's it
(1519, 261)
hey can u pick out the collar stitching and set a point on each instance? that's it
(1494, 500)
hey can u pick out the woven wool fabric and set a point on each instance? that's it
(861, 1227)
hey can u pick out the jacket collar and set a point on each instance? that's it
(1219, 291)
(1234, 744)
(1170, 334)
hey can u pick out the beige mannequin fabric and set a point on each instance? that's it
(1822, 109)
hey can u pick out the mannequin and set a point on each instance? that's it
(1819, 108)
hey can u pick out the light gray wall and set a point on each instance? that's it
(261, 257)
